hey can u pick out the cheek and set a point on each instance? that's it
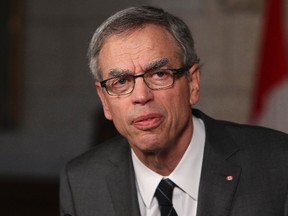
(176, 105)
(118, 116)
(183, 94)
(181, 103)
(181, 108)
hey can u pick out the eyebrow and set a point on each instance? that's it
(156, 64)
(116, 72)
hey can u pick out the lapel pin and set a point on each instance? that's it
(229, 178)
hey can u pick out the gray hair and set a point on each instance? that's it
(136, 17)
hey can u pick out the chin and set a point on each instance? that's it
(150, 144)
(150, 151)
(152, 148)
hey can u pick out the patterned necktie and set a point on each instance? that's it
(163, 194)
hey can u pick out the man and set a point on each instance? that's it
(169, 159)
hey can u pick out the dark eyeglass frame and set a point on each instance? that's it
(175, 72)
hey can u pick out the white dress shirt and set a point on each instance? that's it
(186, 176)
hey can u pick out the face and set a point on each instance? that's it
(151, 120)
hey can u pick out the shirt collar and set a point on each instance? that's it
(186, 175)
(147, 180)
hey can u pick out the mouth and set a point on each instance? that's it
(147, 122)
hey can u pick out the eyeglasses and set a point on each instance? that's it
(157, 79)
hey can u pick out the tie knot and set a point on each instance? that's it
(164, 192)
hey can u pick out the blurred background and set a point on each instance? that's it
(49, 110)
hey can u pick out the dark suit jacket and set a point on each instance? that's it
(102, 182)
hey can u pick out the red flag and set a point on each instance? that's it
(270, 104)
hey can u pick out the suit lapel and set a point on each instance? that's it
(218, 185)
(219, 177)
(121, 184)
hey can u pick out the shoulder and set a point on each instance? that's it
(101, 157)
(257, 150)
(256, 135)
(243, 135)
(253, 130)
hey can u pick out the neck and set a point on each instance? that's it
(164, 161)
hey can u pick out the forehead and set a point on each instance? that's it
(136, 49)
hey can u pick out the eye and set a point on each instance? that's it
(120, 82)
(161, 75)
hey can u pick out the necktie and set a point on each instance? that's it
(163, 194)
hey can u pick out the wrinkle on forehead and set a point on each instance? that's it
(139, 51)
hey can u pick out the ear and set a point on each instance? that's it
(194, 84)
(104, 101)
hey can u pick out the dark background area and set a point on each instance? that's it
(34, 192)
(28, 198)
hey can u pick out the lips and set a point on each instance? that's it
(147, 122)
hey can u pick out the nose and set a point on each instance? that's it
(141, 94)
